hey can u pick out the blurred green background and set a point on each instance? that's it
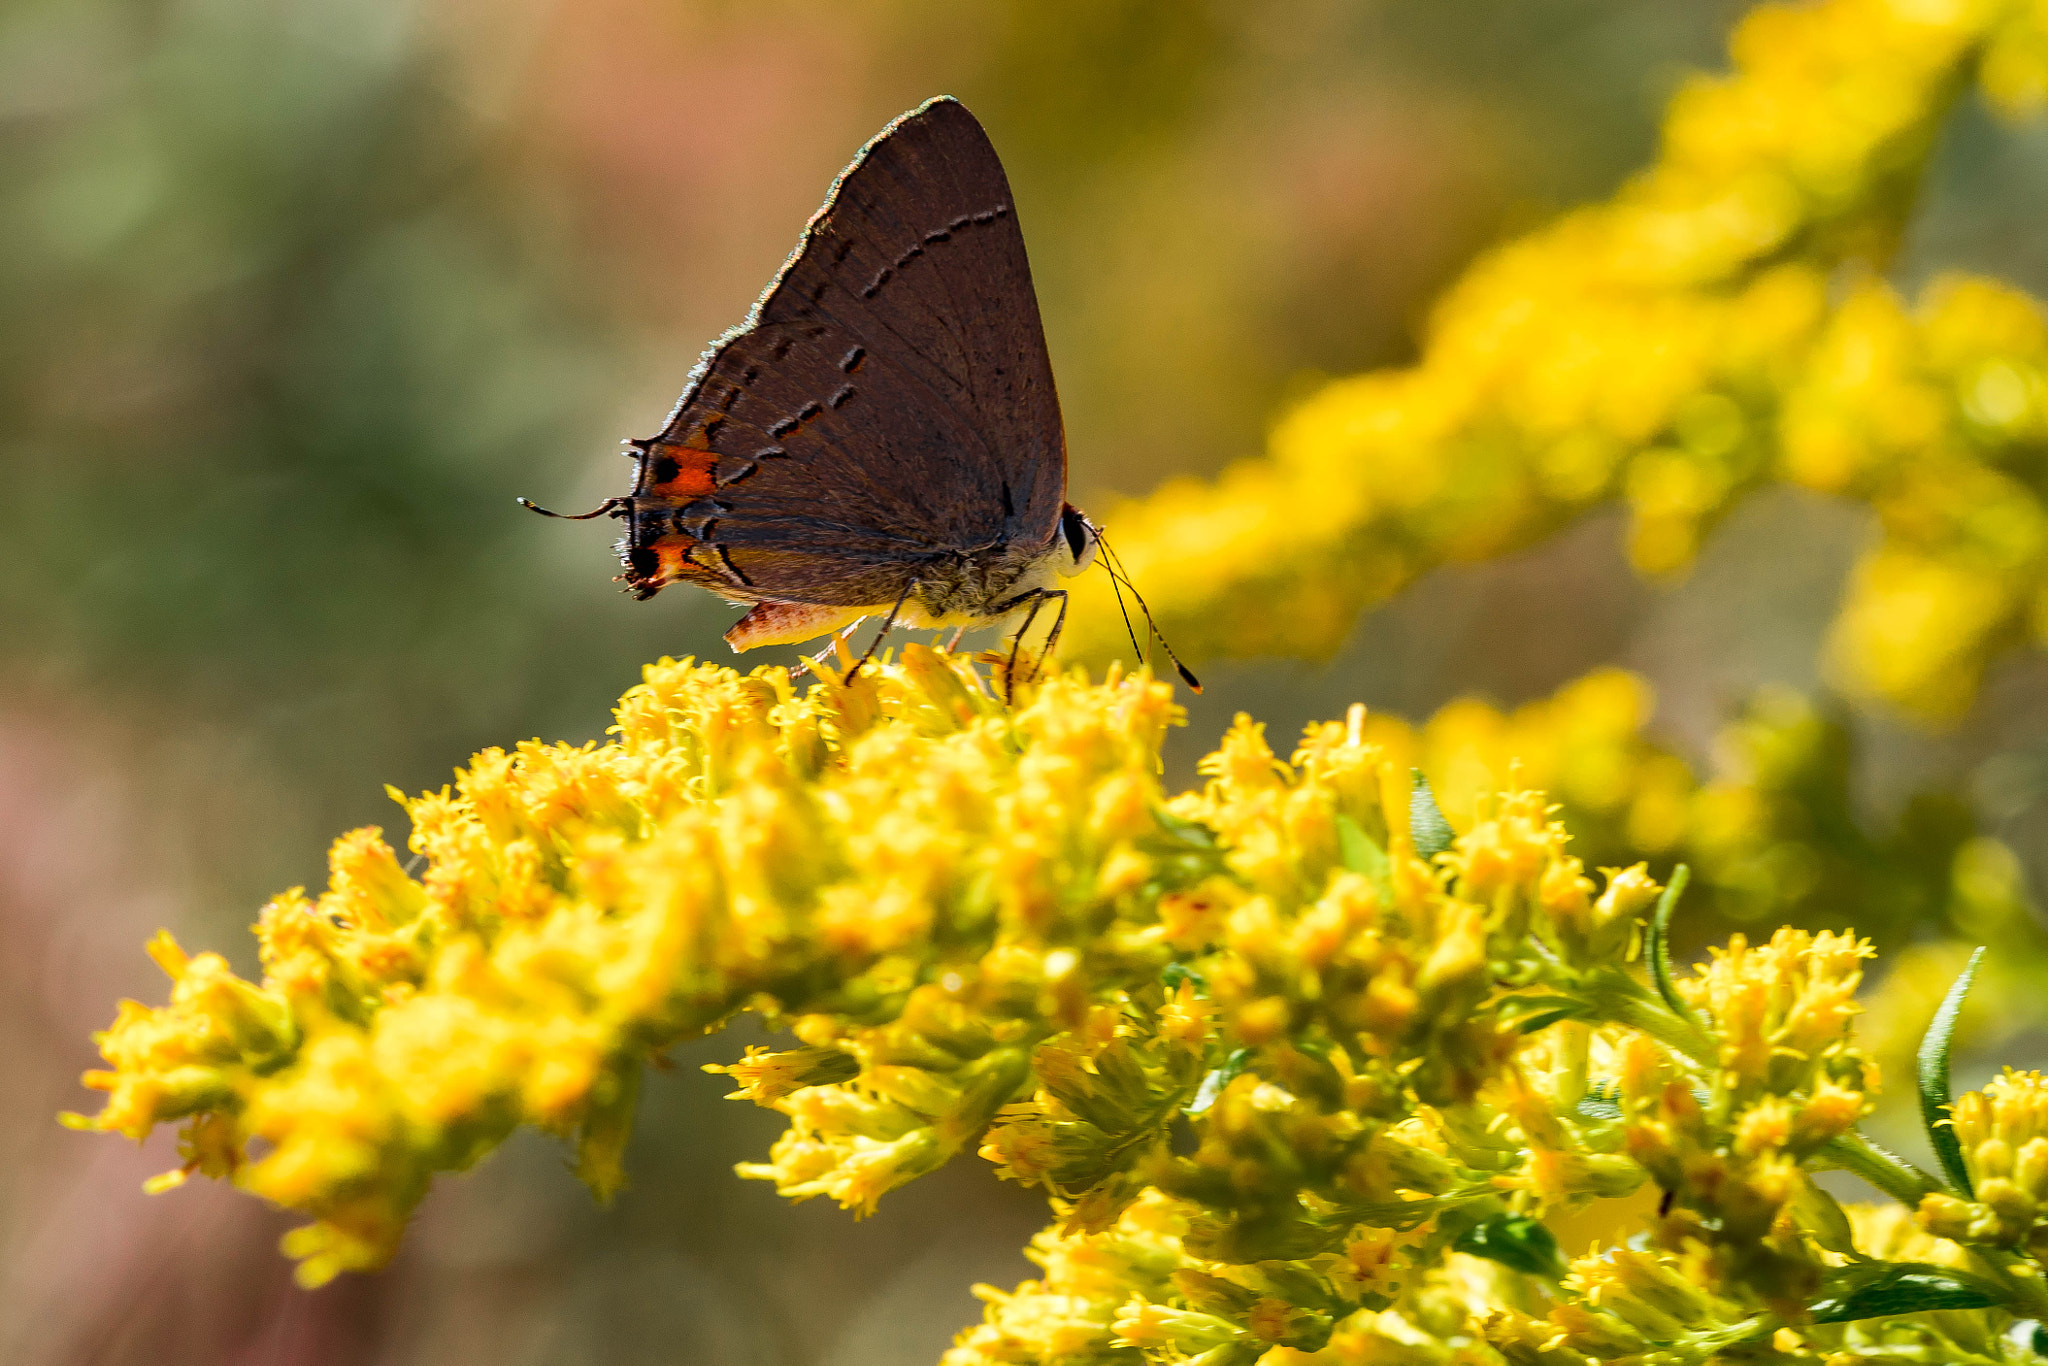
(295, 297)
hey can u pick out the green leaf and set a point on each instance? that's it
(1870, 1291)
(607, 1124)
(1514, 1240)
(1657, 943)
(1213, 1084)
(1184, 830)
(1599, 1104)
(1362, 855)
(1934, 1093)
(1427, 828)
(1531, 1013)
(1176, 973)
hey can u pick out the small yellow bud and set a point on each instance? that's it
(1194, 920)
(1565, 891)
(1458, 962)
(2030, 1168)
(1388, 1005)
(1630, 892)
(1944, 1216)
(2013, 1206)
(1764, 1127)
(1991, 1158)
(1262, 1020)
(1124, 871)
(1121, 808)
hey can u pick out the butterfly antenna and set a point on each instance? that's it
(1116, 572)
(609, 505)
(1116, 584)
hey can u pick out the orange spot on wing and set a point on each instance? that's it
(682, 472)
(672, 559)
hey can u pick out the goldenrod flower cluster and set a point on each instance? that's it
(1718, 325)
(2003, 1131)
(1306, 1077)
(1775, 832)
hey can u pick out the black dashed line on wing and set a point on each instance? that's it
(952, 318)
(733, 569)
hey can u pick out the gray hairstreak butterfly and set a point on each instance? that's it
(881, 436)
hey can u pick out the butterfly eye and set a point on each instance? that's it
(1080, 537)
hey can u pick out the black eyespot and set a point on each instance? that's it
(643, 561)
(1075, 528)
(665, 469)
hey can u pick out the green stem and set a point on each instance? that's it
(1631, 1005)
(1890, 1173)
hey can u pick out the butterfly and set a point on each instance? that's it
(882, 435)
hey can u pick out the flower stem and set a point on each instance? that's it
(1890, 1173)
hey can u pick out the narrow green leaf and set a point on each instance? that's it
(1657, 943)
(1362, 855)
(1358, 850)
(1531, 1013)
(1427, 828)
(1213, 1084)
(1823, 1219)
(1181, 828)
(1176, 973)
(1934, 1093)
(1514, 1240)
(1870, 1291)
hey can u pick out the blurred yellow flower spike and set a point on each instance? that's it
(1709, 329)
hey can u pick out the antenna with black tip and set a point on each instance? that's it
(1120, 580)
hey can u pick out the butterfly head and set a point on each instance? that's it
(1076, 542)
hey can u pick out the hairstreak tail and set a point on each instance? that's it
(881, 436)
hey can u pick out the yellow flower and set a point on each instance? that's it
(2003, 1132)
(1255, 1077)
(1782, 1008)
(1186, 1019)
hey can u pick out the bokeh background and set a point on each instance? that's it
(297, 295)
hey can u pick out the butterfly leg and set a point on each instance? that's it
(813, 664)
(1058, 623)
(1016, 644)
(1037, 597)
(887, 622)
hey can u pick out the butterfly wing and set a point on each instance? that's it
(888, 402)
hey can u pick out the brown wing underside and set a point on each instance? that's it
(888, 401)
